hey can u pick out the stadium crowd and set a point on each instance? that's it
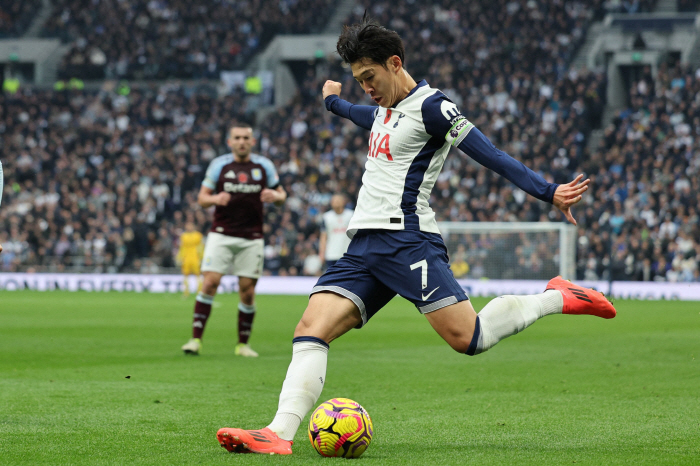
(104, 180)
(15, 17)
(158, 39)
(644, 207)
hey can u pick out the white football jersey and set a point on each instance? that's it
(336, 227)
(408, 145)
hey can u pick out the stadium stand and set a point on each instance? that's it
(687, 6)
(645, 210)
(112, 191)
(165, 39)
(15, 17)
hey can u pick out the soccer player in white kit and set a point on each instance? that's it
(396, 247)
(334, 240)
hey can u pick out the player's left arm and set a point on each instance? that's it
(563, 196)
(442, 119)
(277, 195)
(274, 191)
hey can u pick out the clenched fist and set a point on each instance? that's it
(222, 198)
(331, 88)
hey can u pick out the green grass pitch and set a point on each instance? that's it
(99, 378)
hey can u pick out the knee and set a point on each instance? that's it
(246, 291)
(460, 342)
(303, 328)
(461, 345)
(210, 285)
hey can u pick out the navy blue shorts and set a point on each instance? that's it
(380, 264)
(330, 264)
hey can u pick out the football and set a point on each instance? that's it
(340, 427)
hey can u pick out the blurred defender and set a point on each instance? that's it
(396, 246)
(237, 184)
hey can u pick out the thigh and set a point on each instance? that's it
(350, 278)
(328, 316)
(415, 265)
(218, 253)
(248, 259)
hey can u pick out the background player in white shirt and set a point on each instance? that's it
(396, 247)
(334, 239)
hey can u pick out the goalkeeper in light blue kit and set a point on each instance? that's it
(396, 246)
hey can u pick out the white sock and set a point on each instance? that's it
(508, 315)
(246, 309)
(302, 386)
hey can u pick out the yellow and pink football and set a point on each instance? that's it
(340, 427)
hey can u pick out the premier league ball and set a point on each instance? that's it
(340, 427)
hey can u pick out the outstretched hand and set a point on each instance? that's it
(569, 194)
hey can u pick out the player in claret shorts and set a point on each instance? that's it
(237, 184)
(396, 246)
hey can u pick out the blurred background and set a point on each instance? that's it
(111, 110)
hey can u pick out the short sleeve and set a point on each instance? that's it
(273, 180)
(211, 177)
(442, 119)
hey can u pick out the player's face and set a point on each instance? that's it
(338, 203)
(241, 141)
(382, 84)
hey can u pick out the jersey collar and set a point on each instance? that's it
(413, 91)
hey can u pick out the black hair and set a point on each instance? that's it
(369, 40)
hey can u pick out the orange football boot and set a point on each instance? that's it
(579, 300)
(262, 441)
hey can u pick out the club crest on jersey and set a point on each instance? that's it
(256, 173)
(243, 177)
(230, 174)
(401, 115)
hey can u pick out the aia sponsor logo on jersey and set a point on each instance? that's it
(242, 177)
(379, 146)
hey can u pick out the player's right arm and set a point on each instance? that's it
(361, 115)
(207, 197)
(180, 252)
